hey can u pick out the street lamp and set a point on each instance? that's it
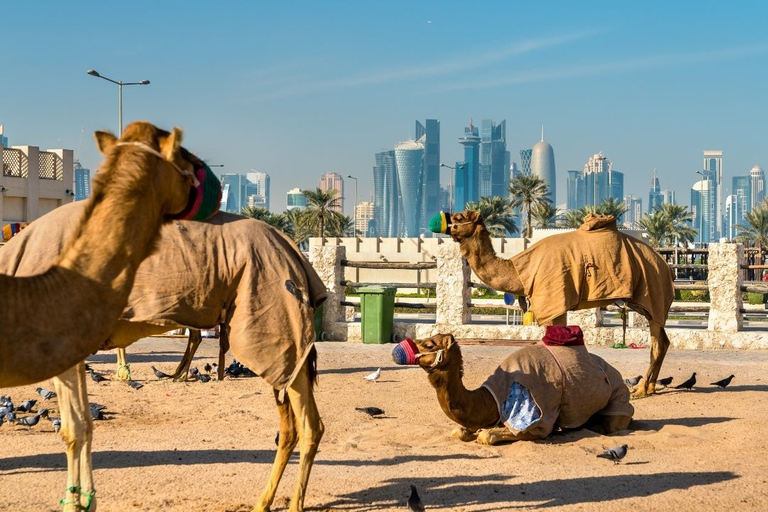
(354, 207)
(120, 85)
(450, 187)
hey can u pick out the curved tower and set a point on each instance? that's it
(409, 160)
(543, 165)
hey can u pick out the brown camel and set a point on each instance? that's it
(231, 270)
(591, 267)
(595, 395)
(145, 176)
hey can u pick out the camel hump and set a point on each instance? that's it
(595, 221)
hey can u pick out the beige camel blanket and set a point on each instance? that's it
(568, 384)
(229, 268)
(595, 262)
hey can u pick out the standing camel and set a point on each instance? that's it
(229, 269)
(145, 176)
(591, 267)
(557, 384)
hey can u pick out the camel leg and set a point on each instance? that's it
(286, 443)
(659, 347)
(606, 425)
(182, 371)
(464, 434)
(498, 435)
(123, 368)
(77, 432)
(223, 347)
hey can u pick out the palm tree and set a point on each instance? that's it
(753, 230)
(668, 224)
(527, 191)
(575, 218)
(320, 208)
(612, 206)
(276, 220)
(497, 215)
(656, 225)
(340, 225)
(299, 227)
(545, 215)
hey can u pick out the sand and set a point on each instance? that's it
(208, 447)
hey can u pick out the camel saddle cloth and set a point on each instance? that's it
(567, 383)
(594, 262)
(227, 269)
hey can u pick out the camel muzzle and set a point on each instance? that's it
(406, 352)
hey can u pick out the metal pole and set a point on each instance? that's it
(120, 109)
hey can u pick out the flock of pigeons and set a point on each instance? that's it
(687, 384)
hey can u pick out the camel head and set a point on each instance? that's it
(460, 225)
(432, 354)
(177, 175)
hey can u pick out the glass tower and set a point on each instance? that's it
(409, 161)
(525, 161)
(429, 135)
(386, 193)
(543, 165)
(713, 164)
(493, 173)
(757, 186)
(654, 195)
(82, 182)
(467, 174)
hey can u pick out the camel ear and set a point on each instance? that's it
(171, 145)
(448, 340)
(473, 216)
(105, 141)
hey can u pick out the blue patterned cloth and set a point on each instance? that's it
(519, 411)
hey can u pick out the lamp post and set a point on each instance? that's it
(354, 207)
(461, 167)
(120, 85)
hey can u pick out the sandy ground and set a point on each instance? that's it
(208, 447)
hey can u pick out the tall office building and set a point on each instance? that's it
(543, 165)
(668, 197)
(757, 184)
(233, 192)
(409, 161)
(364, 214)
(654, 195)
(741, 189)
(493, 173)
(295, 198)
(386, 195)
(3, 138)
(429, 135)
(634, 211)
(525, 161)
(257, 189)
(703, 209)
(601, 181)
(713, 164)
(334, 181)
(466, 175)
(82, 182)
(734, 215)
(576, 193)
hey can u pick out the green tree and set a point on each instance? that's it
(497, 214)
(300, 229)
(276, 220)
(528, 191)
(575, 218)
(612, 206)
(753, 229)
(320, 209)
(545, 215)
(668, 224)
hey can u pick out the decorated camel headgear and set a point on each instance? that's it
(439, 222)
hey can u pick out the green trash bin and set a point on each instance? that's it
(319, 333)
(377, 313)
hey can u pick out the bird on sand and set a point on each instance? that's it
(31, 421)
(207, 367)
(414, 502)
(633, 381)
(26, 406)
(370, 411)
(665, 381)
(159, 374)
(724, 382)
(615, 454)
(97, 411)
(373, 377)
(136, 385)
(47, 394)
(688, 384)
(97, 377)
(204, 378)
(56, 423)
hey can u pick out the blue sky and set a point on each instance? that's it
(296, 89)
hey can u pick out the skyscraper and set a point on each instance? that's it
(702, 199)
(654, 195)
(576, 193)
(741, 187)
(713, 163)
(257, 189)
(295, 198)
(233, 190)
(3, 138)
(429, 135)
(734, 215)
(82, 182)
(543, 165)
(634, 211)
(493, 172)
(386, 195)
(757, 183)
(466, 175)
(333, 181)
(409, 161)
(364, 213)
(525, 161)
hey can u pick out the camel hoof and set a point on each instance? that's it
(488, 437)
(464, 434)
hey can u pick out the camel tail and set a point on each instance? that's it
(312, 367)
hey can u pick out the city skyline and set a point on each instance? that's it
(297, 91)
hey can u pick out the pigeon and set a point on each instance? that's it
(56, 423)
(414, 502)
(194, 372)
(97, 411)
(97, 377)
(5, 400)
(136, 385)
(5, 410)
(370, 411)
(159, 374)
(723, 383)
(31, 421)
(26, 406)
(687, 384)
(373, 377)
(633, 381)
(47, 394)
(10, 417)
(207, 367)
(204, 378)
(615, 454)
(665, 381)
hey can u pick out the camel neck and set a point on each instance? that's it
(498, 273)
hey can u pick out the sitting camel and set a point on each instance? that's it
(554, 384)
(591, 267)
(146, 176)
(229, 269)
